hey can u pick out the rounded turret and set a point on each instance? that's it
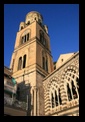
(22, 25)
(32, 16)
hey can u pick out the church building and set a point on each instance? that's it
(52, 89)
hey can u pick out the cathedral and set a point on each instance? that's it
(51, 88)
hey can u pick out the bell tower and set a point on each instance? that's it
(32, 61)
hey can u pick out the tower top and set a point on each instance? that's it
(33, 15)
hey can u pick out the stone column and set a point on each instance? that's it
(32, 102)
(35, 101)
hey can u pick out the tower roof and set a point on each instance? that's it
(34, 12)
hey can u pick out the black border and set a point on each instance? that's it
(2, 66)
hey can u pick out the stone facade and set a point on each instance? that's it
(66, 73)
(33, 69)
(38, 61)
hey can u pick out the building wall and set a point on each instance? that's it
(30, 78)
(58, 78)
(10, 89)
(63, 58)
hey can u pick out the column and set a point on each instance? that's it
(35, 101)
(63, 90)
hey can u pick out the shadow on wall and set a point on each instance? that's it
(24, 94)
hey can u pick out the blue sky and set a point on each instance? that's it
(62, 21)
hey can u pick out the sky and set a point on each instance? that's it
(62, 21)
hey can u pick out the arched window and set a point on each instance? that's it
(55, 95)
(24, 61)
(72, 83)
(46, 64)
(20, 63)
(21, 27)
(22, 40)
(28, 22)
(27, 36)
(41, 36)
(43, 62)
(44, 41)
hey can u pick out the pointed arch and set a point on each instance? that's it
(41, 36)
(20, 63)
(46, 64)
(71, 78)
(53, 93)
(43, 60)
(25, 36)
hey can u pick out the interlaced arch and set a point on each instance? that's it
(53, 89)
(71, 82)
